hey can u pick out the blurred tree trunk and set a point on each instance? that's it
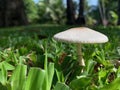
(102, 11)
(12, 13)
(118, 12)
(81, 19)
(70, 12)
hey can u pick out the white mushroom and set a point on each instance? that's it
(81, 35)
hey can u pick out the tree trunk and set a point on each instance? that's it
(70, 12)
(102, 11)
(118, 12)
(12, 13)
(2, 13)
(81, 19)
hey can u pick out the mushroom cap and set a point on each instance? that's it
(81, 35)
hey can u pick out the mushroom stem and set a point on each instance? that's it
(79, 52)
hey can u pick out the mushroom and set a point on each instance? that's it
(81, 35)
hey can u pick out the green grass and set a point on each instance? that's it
(50, 30)
(27, 45)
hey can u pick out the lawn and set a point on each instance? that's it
(30, 59)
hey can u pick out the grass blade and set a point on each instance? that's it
(18, 77)
(35, 79)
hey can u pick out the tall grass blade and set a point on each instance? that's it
(35, 79)
(18, 77)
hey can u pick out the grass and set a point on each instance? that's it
(50, 30)
(27, 45)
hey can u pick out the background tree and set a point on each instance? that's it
(105, 12)
(102, 10)
(118, 12)
(51, 11)
(81, 19)
(31, 11)
(70, 12)
(90, 15)
(12, 13)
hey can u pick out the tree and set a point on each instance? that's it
(31, 10)
(81, 19)
(51, 11)
(102, 10)
(12, 13)
(70, 12)
(118, 12)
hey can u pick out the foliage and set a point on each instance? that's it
(113, 18)
(31, 10)
(26, 56)
(34, 80)
(61, 86)
(105, 10)
(37, 78)
(51, 10)
(54, 11)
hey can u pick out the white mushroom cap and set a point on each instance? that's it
(81, 35)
